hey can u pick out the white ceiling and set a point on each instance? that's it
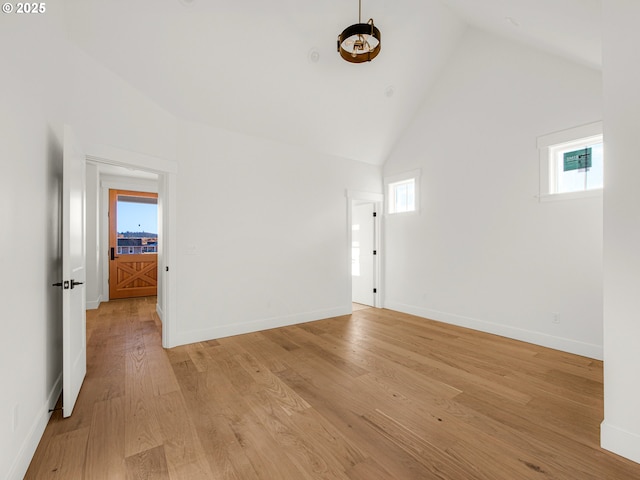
(245, 66)
(569, 28)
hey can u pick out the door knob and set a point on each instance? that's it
(64, 285)
(74, 283)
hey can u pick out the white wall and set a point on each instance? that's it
(621, 64)
(30, 346)
(104, 109)
(261, 233)
(273, 254)
(31, 160)
(45, 83)
(483, 252)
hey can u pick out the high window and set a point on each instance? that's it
(571, 162)
(402, 192)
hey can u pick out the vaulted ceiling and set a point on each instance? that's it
(248, 66)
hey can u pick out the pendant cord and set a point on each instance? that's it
(359, 11)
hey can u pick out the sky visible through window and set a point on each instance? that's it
(137, 217)
(402, 196)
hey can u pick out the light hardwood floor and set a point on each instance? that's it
(370, 396)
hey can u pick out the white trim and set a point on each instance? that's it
(564, 136)
(169, 254)
(252, 326)
(18, 469)
(558, 197)
(94, 304)
(124, 183)
(398, 177)
(126, 158)
(620, 441)
(529, 336)
(364, 196)
(104, 242)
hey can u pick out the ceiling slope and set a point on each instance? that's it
(247, 66)
(568, 28)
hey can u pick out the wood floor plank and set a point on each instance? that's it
(369, 396)
(147, 465)
(142, 427)
(297, 445)
(278, 391)
(355, 428)
(369, 469)
(163, 378)
(64, 456)
(225, 455)
(183, 451)
(105, 446)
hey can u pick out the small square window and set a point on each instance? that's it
(576, 166)
(572, 162)
(402, 193)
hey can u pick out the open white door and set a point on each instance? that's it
(74, 338)
(362, 248)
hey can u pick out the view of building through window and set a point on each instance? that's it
(137, 226)
(571, 162)
(578, 168)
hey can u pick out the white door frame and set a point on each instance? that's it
(166, 171)
(377, 199)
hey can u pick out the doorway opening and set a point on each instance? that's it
(130, 171)
(365, 249)
(363, 253)
(133, 244)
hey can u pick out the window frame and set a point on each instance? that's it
(548, 145)
(399, 178)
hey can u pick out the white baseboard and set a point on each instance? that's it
(529, 336)
(25, 454)
(620, 442)
(160, 312)
(222, 331)
(94, 304)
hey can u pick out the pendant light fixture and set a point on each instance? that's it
(359, 42)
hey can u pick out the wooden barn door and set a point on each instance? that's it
(133, 264)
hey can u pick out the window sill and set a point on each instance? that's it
(402, 214)
(555, 197)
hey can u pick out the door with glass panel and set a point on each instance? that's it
(133, 244)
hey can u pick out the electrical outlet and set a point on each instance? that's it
(555, 318)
